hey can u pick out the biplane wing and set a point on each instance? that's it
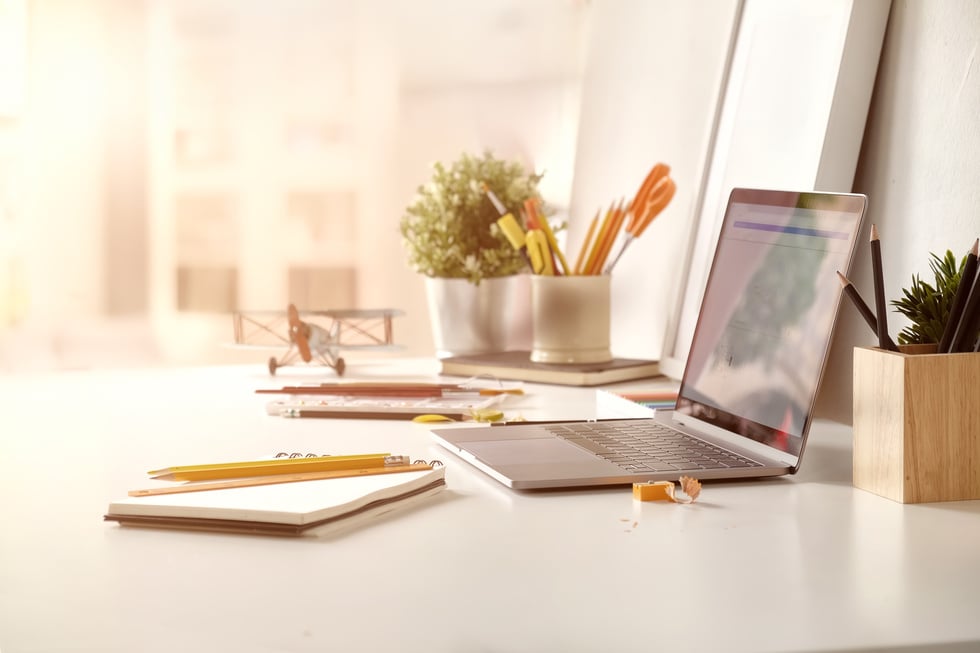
(315, 336)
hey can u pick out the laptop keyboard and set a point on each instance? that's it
(647, 446)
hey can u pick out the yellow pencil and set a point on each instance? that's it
(279, 478)
(580, 261)
(619, 216)
(599, 239)
(270, 467)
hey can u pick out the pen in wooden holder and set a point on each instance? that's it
(917, 425)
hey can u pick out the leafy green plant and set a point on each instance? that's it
(450, 228)
(927, 306)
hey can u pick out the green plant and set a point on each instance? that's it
(450, 228)
(927, 306)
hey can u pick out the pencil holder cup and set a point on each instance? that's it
(917, 425)
(570, 319)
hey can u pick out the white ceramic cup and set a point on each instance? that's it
(570, 319)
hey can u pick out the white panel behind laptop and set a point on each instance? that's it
(792, 118)
(653, 79)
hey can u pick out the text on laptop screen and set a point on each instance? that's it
(766, 322)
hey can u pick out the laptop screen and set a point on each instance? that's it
(768, 313)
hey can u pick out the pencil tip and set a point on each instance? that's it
(843, 280)
(976, 244)
(874, 232)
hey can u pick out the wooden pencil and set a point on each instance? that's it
(580, 261)
(329, 413)
(862, 307)
(619, 216)
(881, 307)
(281, 478)
(959, 299)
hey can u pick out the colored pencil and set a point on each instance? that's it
(210, 472)
(862, 307)
(881, 307)
(580, 261)
(969, 322)
(332, 413)
(600, 237)
(619, 216)
(280, 478)
(959, 299)
(389, 390)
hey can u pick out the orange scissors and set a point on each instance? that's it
(654, 195)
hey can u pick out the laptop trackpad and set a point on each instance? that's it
(527, 458)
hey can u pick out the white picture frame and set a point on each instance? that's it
(792, 117)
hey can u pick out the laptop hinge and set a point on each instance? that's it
(738, 443)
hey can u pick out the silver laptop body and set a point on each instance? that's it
(758, 353)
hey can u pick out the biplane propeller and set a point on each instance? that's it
(315, 336)
(299, 333)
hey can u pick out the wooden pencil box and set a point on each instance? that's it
(917, 425)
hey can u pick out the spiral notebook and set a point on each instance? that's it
(308, 507)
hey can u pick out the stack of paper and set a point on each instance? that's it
(314, 507)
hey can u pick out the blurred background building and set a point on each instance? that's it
(166, 162)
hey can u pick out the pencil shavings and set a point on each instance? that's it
(487, 414)
(691, 487)
(665, 490)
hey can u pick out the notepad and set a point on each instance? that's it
(517, 365)
(309, 507)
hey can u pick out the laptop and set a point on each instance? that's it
(745, 401)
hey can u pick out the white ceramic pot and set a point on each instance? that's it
(472, 319)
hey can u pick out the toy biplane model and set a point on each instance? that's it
(315, 336)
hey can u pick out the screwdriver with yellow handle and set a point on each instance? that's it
(509, 225)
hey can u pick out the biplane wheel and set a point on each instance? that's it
(340, 366)
(273, 364)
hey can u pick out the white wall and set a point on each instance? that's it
(652, 82)
(432, 78)
(64, 177)
(920, 163)
(919, 166)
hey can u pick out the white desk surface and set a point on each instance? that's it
(795, 564)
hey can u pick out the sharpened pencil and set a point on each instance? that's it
(210, 472)
(862, 307)
(583, 252)
(389, 390)
(959, 299)
(369, 414)
(969, 323)
(280, 478)
(881, 305)
(618, 217)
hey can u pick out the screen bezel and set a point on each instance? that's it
(850, 203)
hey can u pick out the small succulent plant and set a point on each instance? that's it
(927, 305)
(450, 228)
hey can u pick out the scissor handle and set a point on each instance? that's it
(660, 197)
(657, 172)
